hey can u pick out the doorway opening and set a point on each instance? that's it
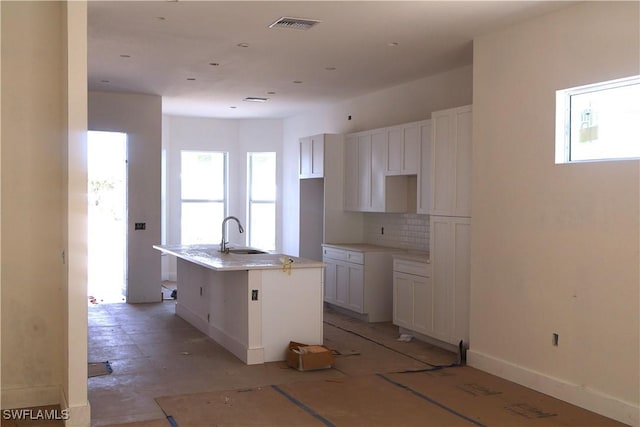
(107, 216)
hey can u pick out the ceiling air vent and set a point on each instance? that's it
(294, 23)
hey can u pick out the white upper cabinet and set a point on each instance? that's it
(451, 162)
(311, 161)
(424, 177)
(403, 148)
(366, 186)
(351, 174)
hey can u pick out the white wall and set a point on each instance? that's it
(43, 196)
(555, 248)
(140, 117)
(399, 104)
(237, 137)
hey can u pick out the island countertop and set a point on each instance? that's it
(209, 256)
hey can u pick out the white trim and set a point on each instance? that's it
(579, 395)
(79, 415)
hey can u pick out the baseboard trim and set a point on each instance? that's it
(250, 356)
(592, 400)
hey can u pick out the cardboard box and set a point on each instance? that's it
(304, 357)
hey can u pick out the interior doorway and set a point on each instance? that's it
(107, 213)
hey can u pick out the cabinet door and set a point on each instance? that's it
(364, 172)
(422, 305)
(351, 174)
(451, 162)
(403, 147)
(317, 156)
(342, 284)
(441, 247)
(311, 157)
(304, 161)
(356, 287)
(461, 253)
(377, 177)
(450, 255)
(410, 149)
(403, 300)
(330, 281)
(394, 150)
(424, 177)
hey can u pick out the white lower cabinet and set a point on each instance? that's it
(433, 298)
(359, 281)
(450, 256)
(412, 296)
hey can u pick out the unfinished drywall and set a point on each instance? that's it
(140, 117)
(555, 247)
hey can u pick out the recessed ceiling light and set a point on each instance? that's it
(161, 18)
(214, 64)
(393, 44)
(233, 106)
(330, 68)
(125, 56)
(191, 78)
(243, 44)
(255, 99)
(297, 81)
(271, 93)
(105, 81)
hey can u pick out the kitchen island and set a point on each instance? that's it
(253, 304)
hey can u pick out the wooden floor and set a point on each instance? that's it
(166, 373)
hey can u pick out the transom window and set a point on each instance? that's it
(599, 121)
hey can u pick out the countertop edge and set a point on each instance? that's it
(271, 261)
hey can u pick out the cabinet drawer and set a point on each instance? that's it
(412, 267)
(344, 255)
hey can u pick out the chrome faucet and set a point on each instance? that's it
(224, 243)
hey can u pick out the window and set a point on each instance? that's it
(599, 121)
(203, 193)
(262, 200)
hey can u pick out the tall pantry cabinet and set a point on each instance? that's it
(450, 220)
(444, 193)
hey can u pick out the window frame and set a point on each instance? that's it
(251, 200)
(563, 118)
(225, 177)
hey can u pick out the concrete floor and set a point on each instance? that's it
(154, 353)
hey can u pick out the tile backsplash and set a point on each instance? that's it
(407, 231)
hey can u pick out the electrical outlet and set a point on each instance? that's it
(381, 230)
(254, 295)
(140, 226)
(554, 339)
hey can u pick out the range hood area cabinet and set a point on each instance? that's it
(403, 149)
(367, 186)
(444, 185)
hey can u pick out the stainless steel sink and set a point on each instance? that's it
(246, 251)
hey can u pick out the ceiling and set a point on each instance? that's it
(205, 57)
